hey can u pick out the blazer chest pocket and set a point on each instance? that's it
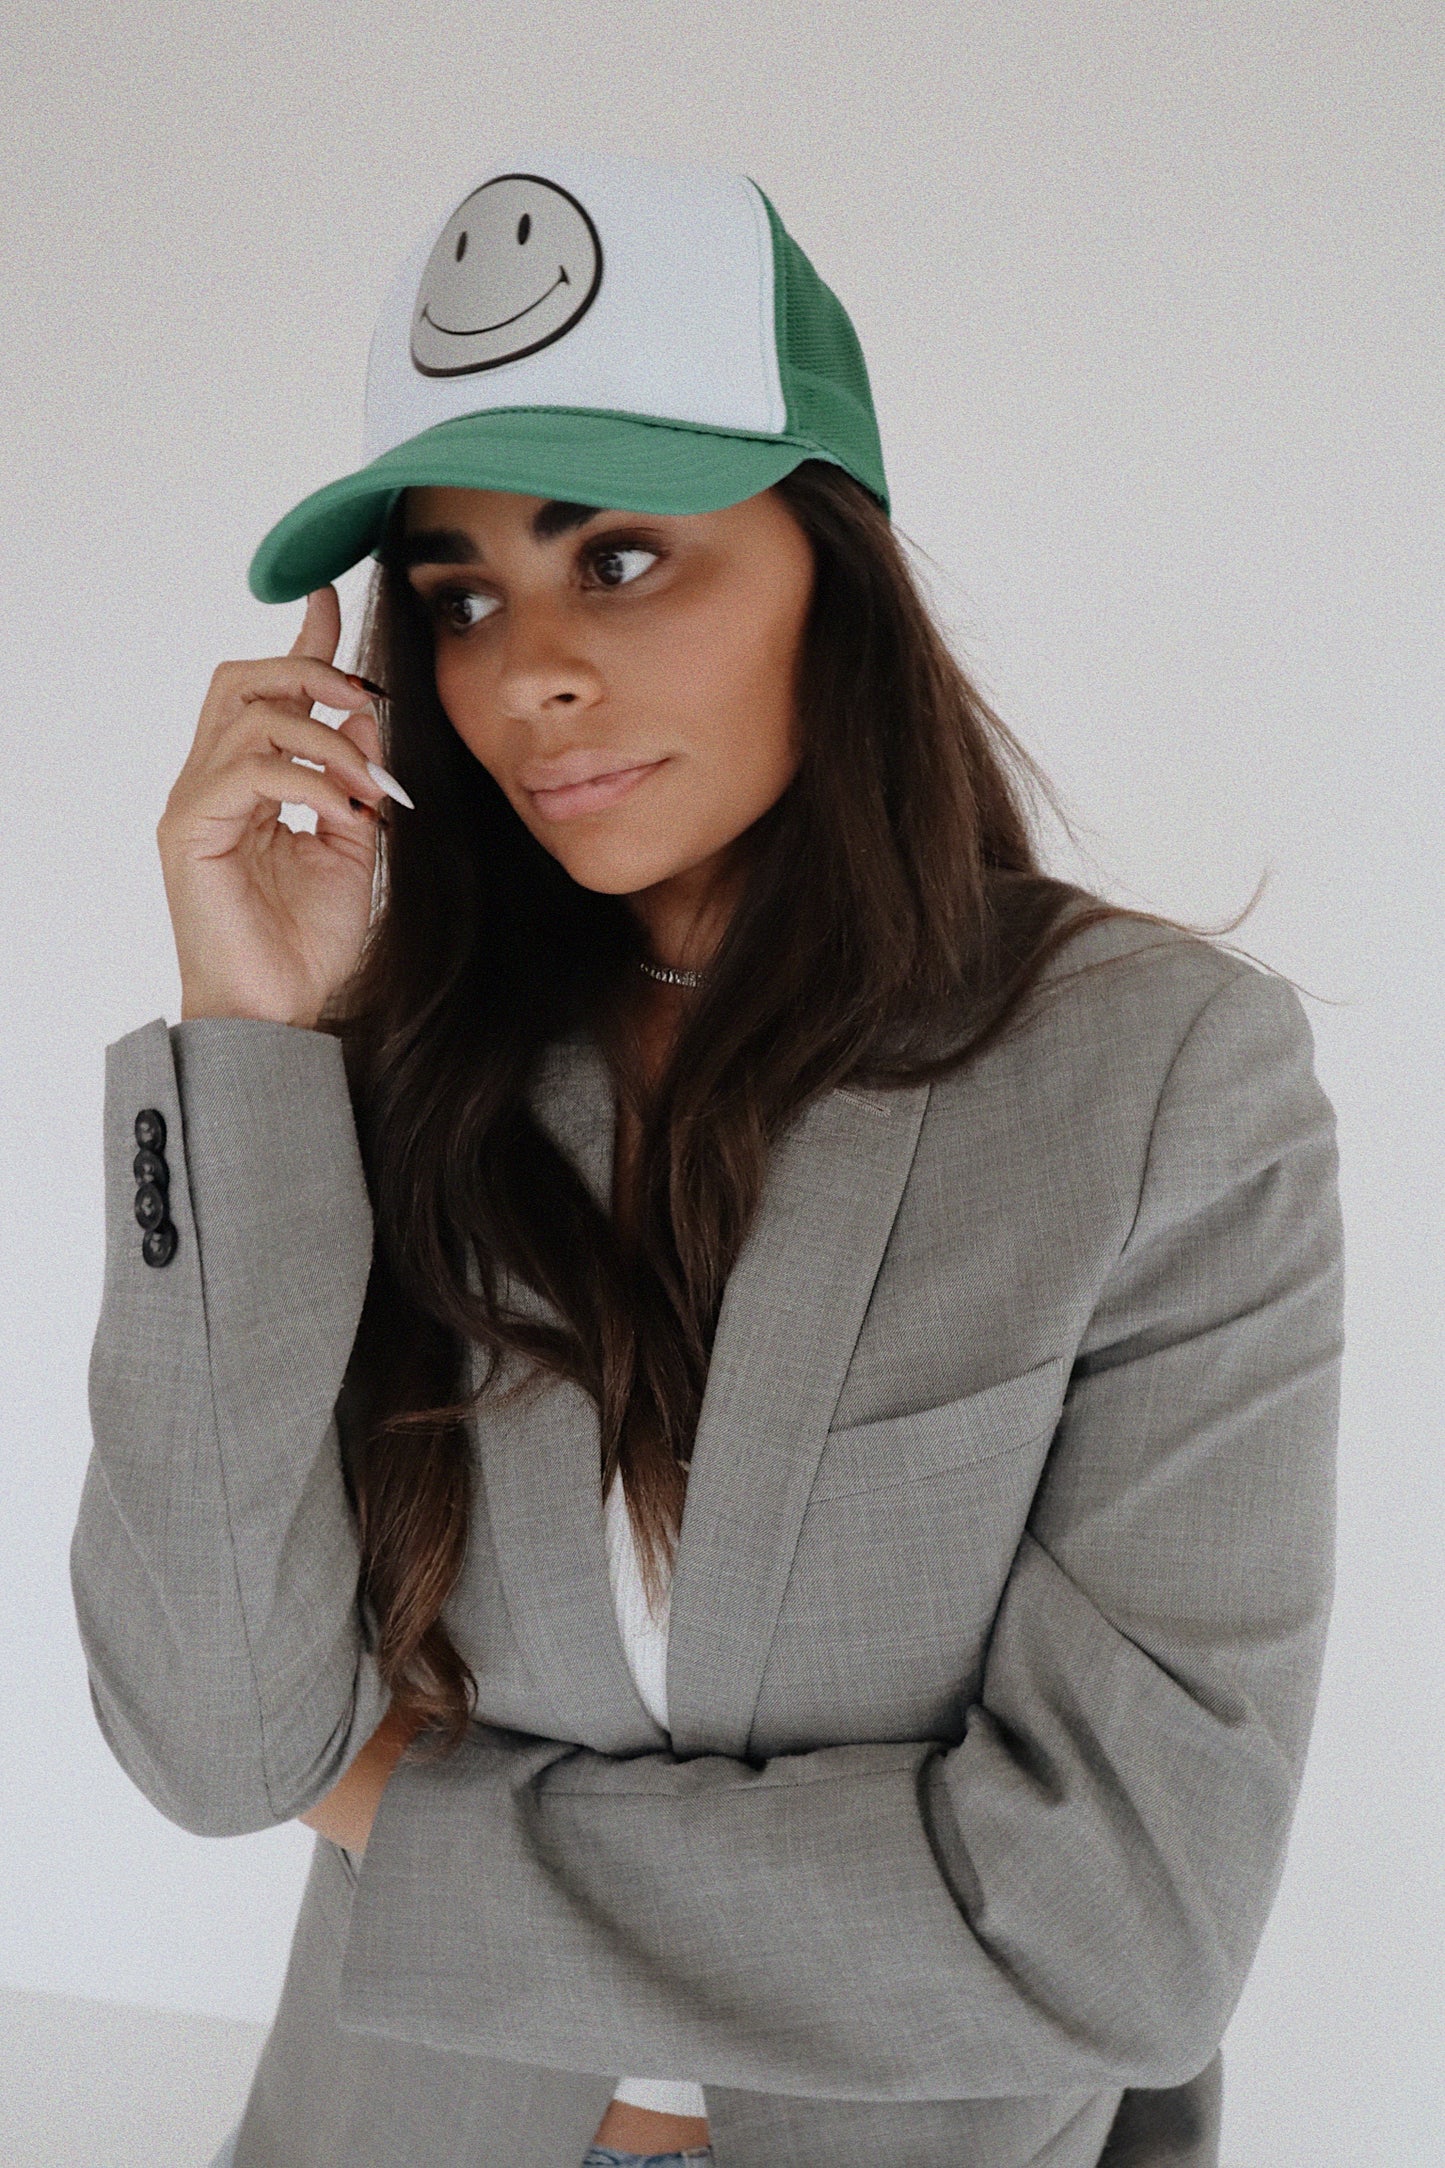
(982, 1426)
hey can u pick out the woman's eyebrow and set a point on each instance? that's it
(454, 546)
(435, 546)
(557, 516)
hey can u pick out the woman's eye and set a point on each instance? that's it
(614, 567)
(459, 611)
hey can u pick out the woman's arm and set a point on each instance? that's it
(215, 1559)
(1072, 1896)
(346, 1813)
(214, 1562)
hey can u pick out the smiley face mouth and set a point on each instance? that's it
(478, 331)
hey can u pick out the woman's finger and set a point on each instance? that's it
(264, 724)
(268, 779)
(363, 731)
(208, 818)
(320, 627)
(370, 819)
(311, 740)
(303, 680)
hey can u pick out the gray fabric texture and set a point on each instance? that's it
(996, 1625)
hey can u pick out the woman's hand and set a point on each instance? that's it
(347, 1812)
(270, 923)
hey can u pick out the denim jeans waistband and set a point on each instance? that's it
(604, 2156)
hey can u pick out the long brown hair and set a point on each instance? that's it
(893, 919)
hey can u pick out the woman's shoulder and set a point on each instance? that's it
(1121, 997)
(1129, 970)
(1142, 1044)
(1113, 960)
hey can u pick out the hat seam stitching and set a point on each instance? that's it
(675, 422)
(767, 302)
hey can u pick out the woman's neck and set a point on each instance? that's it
(685, 916)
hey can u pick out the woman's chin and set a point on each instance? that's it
(608, 867)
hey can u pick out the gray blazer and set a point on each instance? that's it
(996, 1626)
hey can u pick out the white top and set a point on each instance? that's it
(645, 1640)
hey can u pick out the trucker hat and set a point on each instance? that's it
(622, 332)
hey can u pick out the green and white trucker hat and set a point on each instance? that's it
(639, 336)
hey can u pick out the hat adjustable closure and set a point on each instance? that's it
(611, 331)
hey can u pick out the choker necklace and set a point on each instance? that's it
(666, 976)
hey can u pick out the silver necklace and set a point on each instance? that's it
(665, 975)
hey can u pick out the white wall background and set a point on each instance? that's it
(1152, 297)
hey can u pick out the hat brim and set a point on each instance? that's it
(618, 462)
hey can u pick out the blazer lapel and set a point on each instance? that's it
(540, 1458)
(790, 1320)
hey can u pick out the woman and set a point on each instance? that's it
(667, 1063)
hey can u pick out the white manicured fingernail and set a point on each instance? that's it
(389, 784)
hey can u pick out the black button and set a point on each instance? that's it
(158, 1245)
(150, 1206)
(150, 1129)
(150, 1167)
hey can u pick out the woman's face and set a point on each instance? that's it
(628, 680)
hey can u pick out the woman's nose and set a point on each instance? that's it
(543, 668)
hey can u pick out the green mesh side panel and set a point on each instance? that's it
(824, 375)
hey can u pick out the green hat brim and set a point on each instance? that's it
(618, 462)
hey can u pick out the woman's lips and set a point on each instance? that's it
(565, 801)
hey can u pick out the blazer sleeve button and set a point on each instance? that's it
(150, 1206)
(149, 1166)
(158, 1244)
(150, 1129)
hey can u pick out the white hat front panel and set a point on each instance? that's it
(579, 281)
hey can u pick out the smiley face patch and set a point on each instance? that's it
(515, 267)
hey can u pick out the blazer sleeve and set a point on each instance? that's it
(214, 1562)
(1072, 1895)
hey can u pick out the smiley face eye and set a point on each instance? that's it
(524, 227)
(461, 244)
